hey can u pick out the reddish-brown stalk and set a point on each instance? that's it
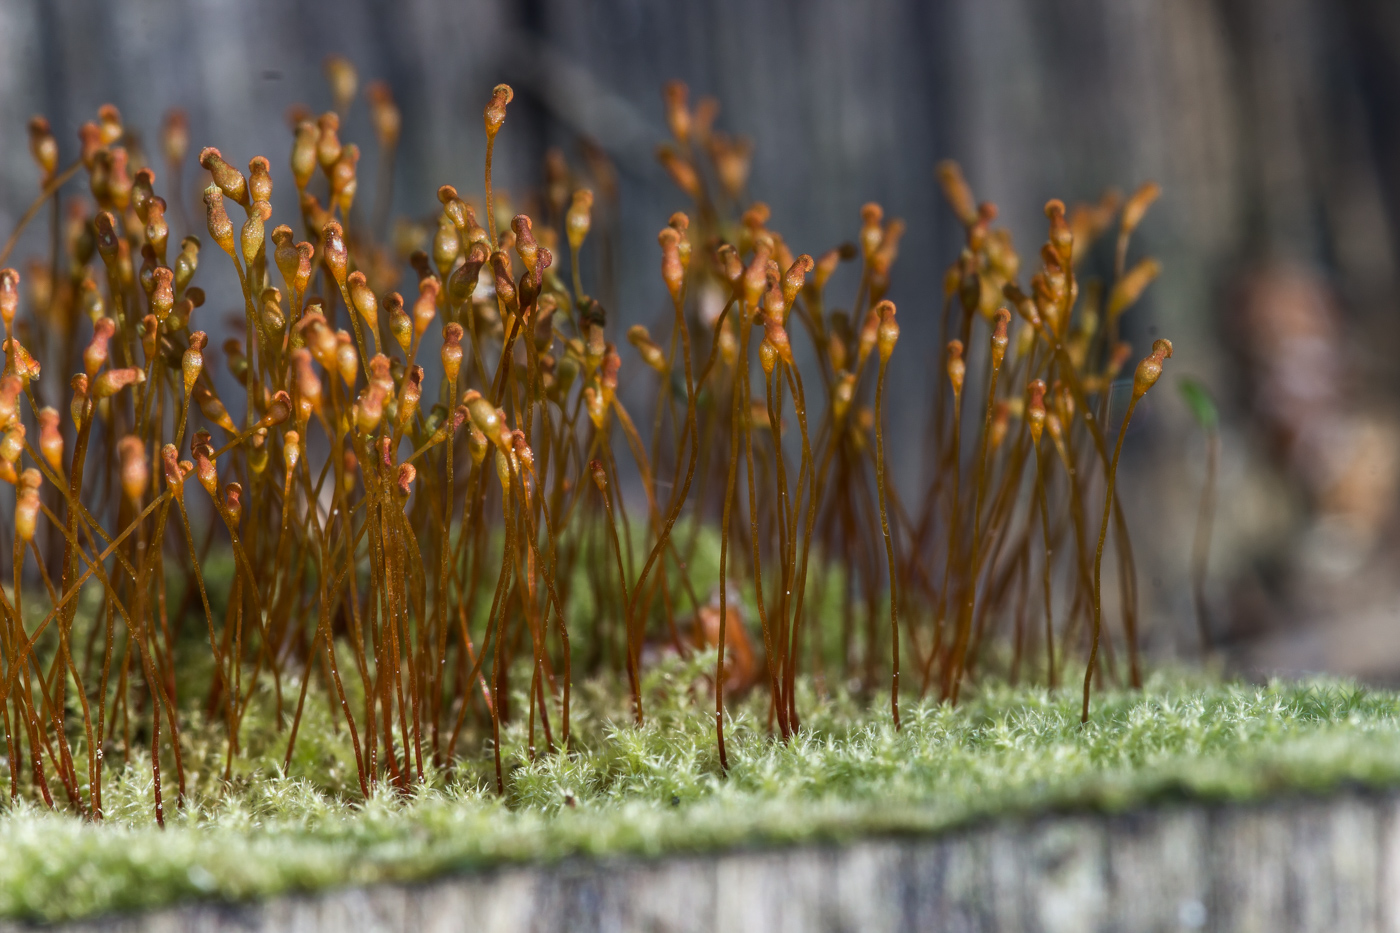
(888, 336)
(600, 479)
(1035, 417)
(722, 639)
(999, 342)
(957, 373)
(1148, 372)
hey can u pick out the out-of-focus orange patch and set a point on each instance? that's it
(740, 663)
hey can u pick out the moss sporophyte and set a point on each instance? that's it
(426, 531)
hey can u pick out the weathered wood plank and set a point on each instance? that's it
(1301, 864)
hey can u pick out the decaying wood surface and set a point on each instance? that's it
(1329, 865)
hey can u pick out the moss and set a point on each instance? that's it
(348, 559)
(657, 789)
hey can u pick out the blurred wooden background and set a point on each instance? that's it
(1271, 125)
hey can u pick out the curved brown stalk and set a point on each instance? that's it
(1109, 480)
(889, 547)
(794, 379)
(503, 593)
(956, 368)
(723, 570)
(548, 576)
(1049, 551)
(742, 391)
(785, 520)
(600, 480)
(1148, 371)
(663, 537)
(889, 333)
(955, 673)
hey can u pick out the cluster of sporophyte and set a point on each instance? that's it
(435, 558)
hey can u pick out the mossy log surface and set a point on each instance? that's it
(1299, 863)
